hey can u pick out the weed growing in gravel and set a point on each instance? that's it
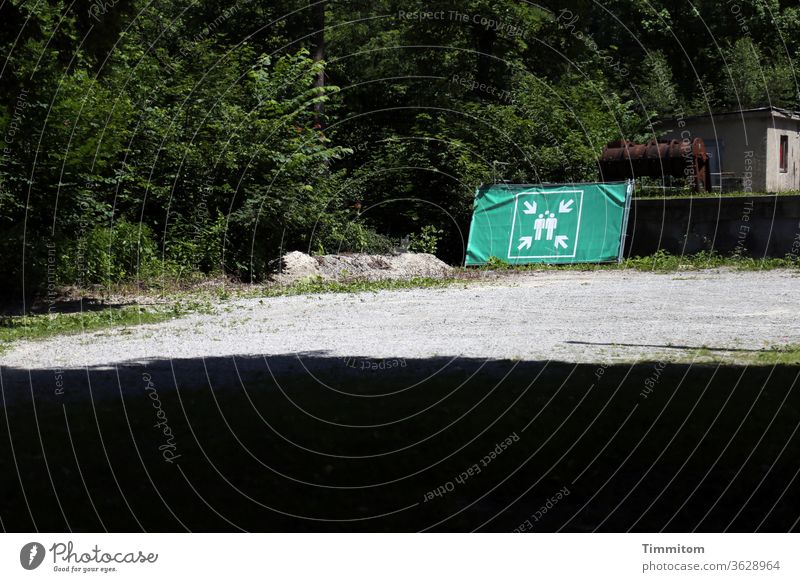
(774, 355)
(30, 327)
(319, 285)
(661, 262)
(787, 355)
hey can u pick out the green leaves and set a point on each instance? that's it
(210, 129)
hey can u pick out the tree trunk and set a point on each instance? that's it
(318, 53)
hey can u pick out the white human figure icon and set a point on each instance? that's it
(551, 224)
(539, 226)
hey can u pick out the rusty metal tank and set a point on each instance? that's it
(622, 160)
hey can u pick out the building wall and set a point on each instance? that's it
(743, 144)
(778, 181)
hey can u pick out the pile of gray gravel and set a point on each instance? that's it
(297, 266)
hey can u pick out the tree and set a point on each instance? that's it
(746, 86)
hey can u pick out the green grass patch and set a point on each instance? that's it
(318, 285)
(659, 262)
(662, 261)
(779, 355)
(32, 327)
(783, 355)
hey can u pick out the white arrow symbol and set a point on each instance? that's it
(565, 206)
(561, 241)
(525, 242)
(529, 208)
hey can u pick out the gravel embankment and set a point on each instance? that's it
(603, 316)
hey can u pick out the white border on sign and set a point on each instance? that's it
(577, 229)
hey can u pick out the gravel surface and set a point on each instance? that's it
(601, 316)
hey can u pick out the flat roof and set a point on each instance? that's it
(787, 113)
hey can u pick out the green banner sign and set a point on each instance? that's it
(577, 223)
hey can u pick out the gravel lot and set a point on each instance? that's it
(602, 316)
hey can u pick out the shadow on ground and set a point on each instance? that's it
(313, 443)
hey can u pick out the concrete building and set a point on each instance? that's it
(754, 150)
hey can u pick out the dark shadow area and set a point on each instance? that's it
(314, 443)
(685, 226)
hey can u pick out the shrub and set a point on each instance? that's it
(427, 240)
(108, 254)
(496, 263)
(197, 247)
(352, 237)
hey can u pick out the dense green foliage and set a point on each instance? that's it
(152, 138)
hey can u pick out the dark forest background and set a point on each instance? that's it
(152, 139)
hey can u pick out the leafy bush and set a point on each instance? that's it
(109, 255)
(427, 240)
(198, 247)
(351, 237)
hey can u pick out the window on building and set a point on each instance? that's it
(783, 155)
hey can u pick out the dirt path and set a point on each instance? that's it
(603, 316)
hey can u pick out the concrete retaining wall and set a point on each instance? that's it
(758, 226)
